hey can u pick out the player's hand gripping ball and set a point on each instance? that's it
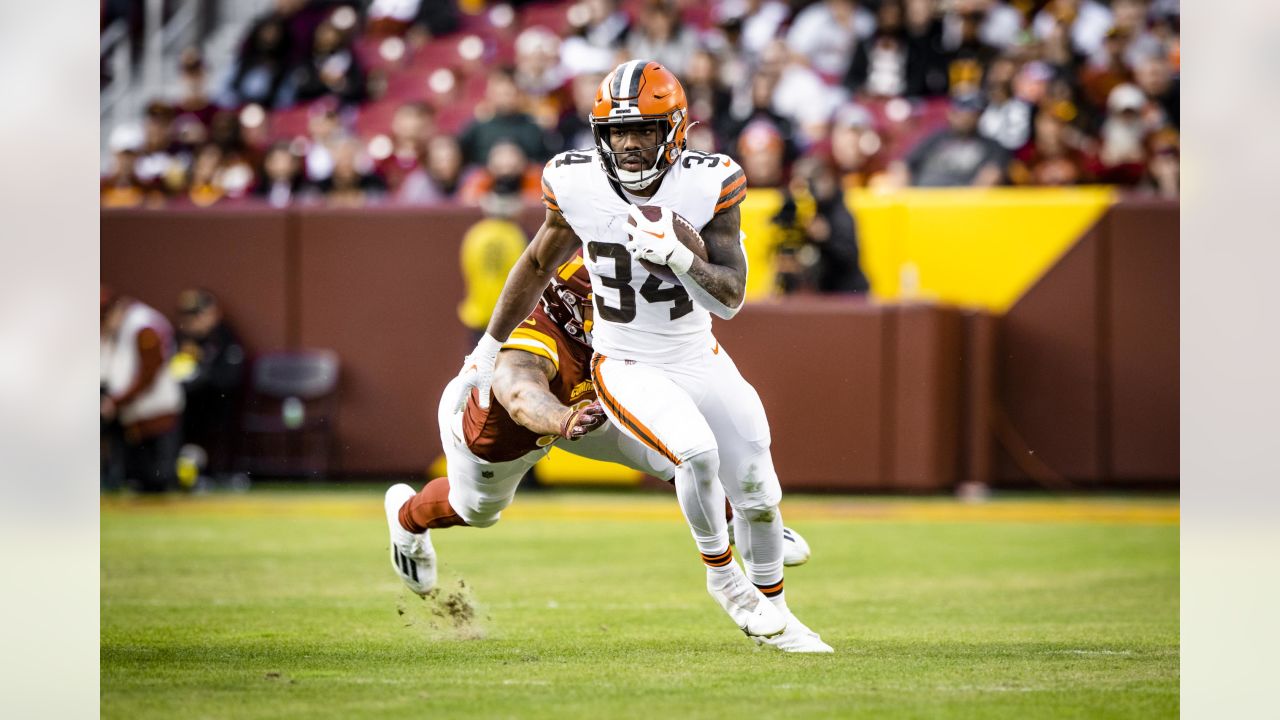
(663, 242)
(583, 420)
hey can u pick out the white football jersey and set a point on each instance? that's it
(638, 316)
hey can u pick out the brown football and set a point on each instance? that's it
(684, 233)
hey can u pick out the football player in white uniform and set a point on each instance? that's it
(660, 374)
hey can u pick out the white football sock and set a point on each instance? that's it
(702, 501)
(759, 538)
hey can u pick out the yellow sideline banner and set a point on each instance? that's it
(964, 246)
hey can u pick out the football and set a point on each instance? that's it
(684, 233)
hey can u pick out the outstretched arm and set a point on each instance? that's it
(551, 247)
(521, 383)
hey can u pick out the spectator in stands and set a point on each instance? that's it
(598, 30)
(204, 188)
(880, 65)
(159, 162)
(574, 131)
(956, 156)
(1007, 118)
(122, 186)
(927, 56)
(417, 20)
(1105, 70)
(325, 129)
(261, 65)
(500, 118)
(236, 167)
(831, 231)
(760, 111)
(412, 126)
(1122, 158)
(332, 69)
(1086, 22)
(489, 249)
(539, 75)
(798, 94)
(816, 236)
(1154, 75)
(140, 402)
(210, 364)
(506, 167)
(281, 177)
(709, 99)
(758, 21)
(1053, 157)
(1000, 25)
(855, 146)
(826, 32)
(969, 55)
(194, 103)
(444, 165)
(762, 152)
(353, 182)
(661, 35)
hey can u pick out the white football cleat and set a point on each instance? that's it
(412, 556)
(746, 605)
(795, 551)
(797, 638)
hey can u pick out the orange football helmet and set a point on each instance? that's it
(640, 91)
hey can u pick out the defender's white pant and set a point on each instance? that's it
(479, 491)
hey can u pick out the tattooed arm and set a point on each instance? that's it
(719, 283)
(521, 382)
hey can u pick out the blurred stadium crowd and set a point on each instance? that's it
(428, 101)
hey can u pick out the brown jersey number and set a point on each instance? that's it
(652, 290)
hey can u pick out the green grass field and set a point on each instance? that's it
(586, 605)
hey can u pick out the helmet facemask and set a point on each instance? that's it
(668, 149)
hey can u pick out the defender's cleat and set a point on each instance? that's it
(797, 638)
(412, 556)
(745, 604)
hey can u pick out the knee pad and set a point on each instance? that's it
(757, 489)
(704, 464)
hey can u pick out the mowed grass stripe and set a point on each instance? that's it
(623, 507)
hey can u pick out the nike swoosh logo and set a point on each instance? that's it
(716, 350)
(659, 97)
(531, 321)
(726, 163)
(656, 234)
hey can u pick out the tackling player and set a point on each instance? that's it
(544, 394)
(660, 374)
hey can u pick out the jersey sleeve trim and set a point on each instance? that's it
(549, 196)
(532, 341)
(732, 191)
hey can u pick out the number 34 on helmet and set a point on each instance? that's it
(640, 91)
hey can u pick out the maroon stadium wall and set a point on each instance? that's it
(1075, 386)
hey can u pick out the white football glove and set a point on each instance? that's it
(477, 372)
(656, 241)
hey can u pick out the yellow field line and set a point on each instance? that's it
(649, 508)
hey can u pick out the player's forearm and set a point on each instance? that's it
(717, 289)
(534, 407)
